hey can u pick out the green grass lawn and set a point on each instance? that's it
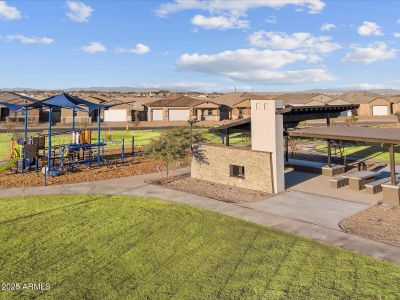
(114, 138)
(373, 151)
(103, 247)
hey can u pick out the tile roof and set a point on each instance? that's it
(180, 101)
(360, 97)
(15, 98)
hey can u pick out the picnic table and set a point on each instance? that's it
(357, 180)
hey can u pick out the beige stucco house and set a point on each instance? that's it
(185, 108)
(371, 104)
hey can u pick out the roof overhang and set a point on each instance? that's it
(293, 115)
(350, 133)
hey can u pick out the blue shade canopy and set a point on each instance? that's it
(12, 107)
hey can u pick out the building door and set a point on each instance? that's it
(380, 110)
(178, 114)
(157, 114)
(115, 115)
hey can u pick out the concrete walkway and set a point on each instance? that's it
(310, 208)
(137, 186)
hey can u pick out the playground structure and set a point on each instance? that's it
(38, 152)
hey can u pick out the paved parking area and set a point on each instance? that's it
(314, 209)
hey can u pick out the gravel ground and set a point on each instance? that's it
(216, 191)
(376, 223)
(132, 167)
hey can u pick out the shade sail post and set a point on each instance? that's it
(392, 165)
(26, 125)
(49, 142)
(73, 120)
(98, 137)
(329, 153)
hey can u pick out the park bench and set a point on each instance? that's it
(315, 167)
(357, 180)
(339, 182)
(376, 186)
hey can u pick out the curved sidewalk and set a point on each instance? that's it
(137, 186)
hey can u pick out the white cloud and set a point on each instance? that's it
(138, 49)
(9, 12)
(78, 11)
(271, 19)
(219, 22)
(372, 53)
(253, 66)
(328, 27)
(369, 28)
(28, 40)
(94, 47)
(396, 34)
(236, 7)
(299, 40)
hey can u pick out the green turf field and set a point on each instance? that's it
(114, 138)
(104, 247)
(373, 151)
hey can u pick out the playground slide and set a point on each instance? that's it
(8, 164)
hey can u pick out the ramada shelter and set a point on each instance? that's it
(260, 167)
(185, 108)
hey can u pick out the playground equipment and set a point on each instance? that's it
(78, 149)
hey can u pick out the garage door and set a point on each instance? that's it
(115, 115)
(380, 110)
(157, 115)
(178, 114)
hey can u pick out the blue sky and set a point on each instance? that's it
(264, 45)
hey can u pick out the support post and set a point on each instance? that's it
(73, 120)
(329, 154)
(98, 137)
(227, 137)
(286, 146)
(26, 126)
(222, 138)
(328, 120)
(49, 142)
(392, 165)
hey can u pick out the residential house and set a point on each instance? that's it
(371, 104)
(15, 98)
(238, 104)
(185, 108)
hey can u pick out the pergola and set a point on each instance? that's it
(292, 116)
(386, 136)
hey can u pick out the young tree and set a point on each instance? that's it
(172, 146)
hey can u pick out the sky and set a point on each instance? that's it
(200, 45)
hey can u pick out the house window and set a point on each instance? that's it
(209, 112)
(236, 171)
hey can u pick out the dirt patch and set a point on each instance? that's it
(131, 167)
(376, 223)
(216, 191)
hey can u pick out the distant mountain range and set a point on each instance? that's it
(126, 89)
